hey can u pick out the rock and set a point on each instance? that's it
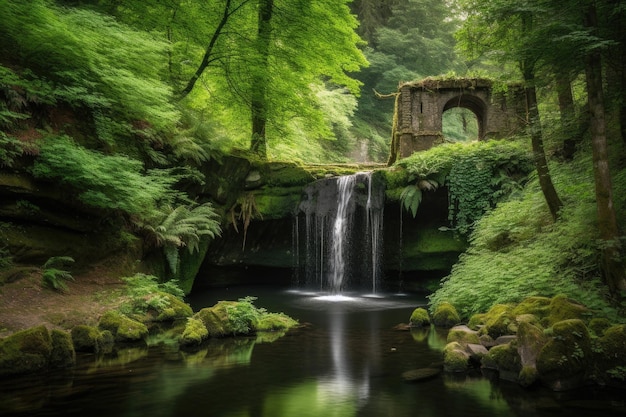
(610, 356)
(195, 333)
(503, 340)
(123, 329)
(563, 361)
(417, 375)
(91, 339)
(445, 315)
(505, 359)
(25, 351)
(463, 335)
(419, 318)
(63, 354)
(497, 321)
(455, 358)
(476, 351)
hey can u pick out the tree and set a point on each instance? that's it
(509, 30)
(609, 231)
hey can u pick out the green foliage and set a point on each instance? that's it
(182, 226)
(243, 315)
(104, 181)
(146, 292)
(54, 274)
(477, 174)
(92, 60)
(517, 252)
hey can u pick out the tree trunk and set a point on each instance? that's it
(539, 154)
(258, 143)
(568, 115)
(612, 267)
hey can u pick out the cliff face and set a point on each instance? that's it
(258, 203)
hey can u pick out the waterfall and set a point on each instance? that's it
(339, 244)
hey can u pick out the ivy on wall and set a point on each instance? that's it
(477, 176)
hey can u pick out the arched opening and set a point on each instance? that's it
(464, 118)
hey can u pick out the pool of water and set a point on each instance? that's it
(347, 361)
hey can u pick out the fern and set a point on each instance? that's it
(53, 276)
(181, 227)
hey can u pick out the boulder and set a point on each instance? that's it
(563, 361)
(423, 374)
(455, 358)
(123, 329)
(419, 318)
(505, 360)
(445, 315)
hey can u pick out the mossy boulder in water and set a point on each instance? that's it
(498, 321)
(34, 349)
(195, 333)
(274, 321)
(610, 356)
(171, 308)
(445, 315)
(91, 339)
(123, 329)
(419, 318)
(455, 358)
(563, 362)
(504, 359)
(463, 335)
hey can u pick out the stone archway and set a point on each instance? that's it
(418, 122)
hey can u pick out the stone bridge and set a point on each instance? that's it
(418, 121)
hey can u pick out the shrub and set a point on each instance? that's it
(53, 276)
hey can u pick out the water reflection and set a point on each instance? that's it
(347, 363)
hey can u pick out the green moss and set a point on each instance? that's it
(538, 306)
(567, 353)
(275, 321)
(277, 203)
(506, 359)
(445, 315)
(455, 359)
(497, 321)
(195, 332)
(214, 321)
(463, 336)
(25, 351)
(599, 325)
(63, 354)
(476, 321)
(527, 376)
(87, 339)
(610, 354)
(123, 328)
(175, 308)
(419, 318)
(563, 308)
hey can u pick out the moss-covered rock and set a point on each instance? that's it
(455, 358)
(63, 354)
(419, 318)
(25, 351)
(122, 328)
(537, 306)
(476, 321)
(563, 308)
(563, 361)
(274, 321)
(598, 325)
(445, 315)
(499, 321)
(505, 359)
(610, 356)
(90, 339)
(463, 335)
(195, 333)
(215, 319)
(173, 308)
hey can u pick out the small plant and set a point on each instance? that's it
(143, 291)
(54, 274)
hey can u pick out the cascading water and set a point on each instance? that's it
(338, 245)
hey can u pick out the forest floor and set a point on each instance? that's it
(25, 302)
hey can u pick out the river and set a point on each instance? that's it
(347, 361)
